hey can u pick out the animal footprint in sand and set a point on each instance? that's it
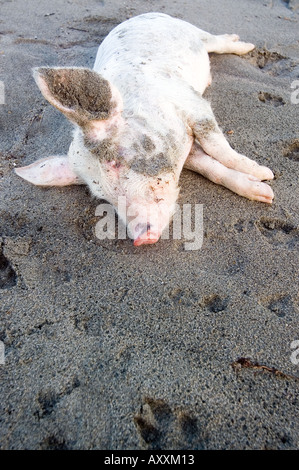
(292, 151)
(7, 274)
(160, 427)
(268, 98)
(278, 232)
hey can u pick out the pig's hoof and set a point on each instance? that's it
(263, 193)
(263, 173)
(232, 37)
(256, 190)
(236, 46)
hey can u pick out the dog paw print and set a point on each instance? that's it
(181, 297)
(270, 99)
(215, 304)
(8, 277)
(160, 427)
(292, 151)
(48, 400)
(280, 304)
(54, 442)
(278, 232)
(153, 422)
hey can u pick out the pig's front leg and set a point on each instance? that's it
(213, 142)
(241, 183)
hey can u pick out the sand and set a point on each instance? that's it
(109, 346)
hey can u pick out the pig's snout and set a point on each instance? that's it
(147, 221)
(145, 235)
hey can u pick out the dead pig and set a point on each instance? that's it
(140, 117)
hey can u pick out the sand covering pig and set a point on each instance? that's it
(140, 117)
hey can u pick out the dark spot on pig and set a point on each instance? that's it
(104, 150)
(81, 90)
(152, 166)
(148, 144)
(136, 148)
(169, 142)
(205, 127)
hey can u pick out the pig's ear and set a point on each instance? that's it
(81, 94)
(51, 171)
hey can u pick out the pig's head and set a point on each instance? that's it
(111, 152)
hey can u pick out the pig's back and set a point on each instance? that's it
(154, 50)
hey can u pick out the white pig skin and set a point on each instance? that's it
(140, 118)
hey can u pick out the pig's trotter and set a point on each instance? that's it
(213, 142)
(240, 183)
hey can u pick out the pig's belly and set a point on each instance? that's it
(151, 49)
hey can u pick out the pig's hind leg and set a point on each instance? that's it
(240, 183)
(225, 43)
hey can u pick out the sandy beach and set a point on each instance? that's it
(108, 346)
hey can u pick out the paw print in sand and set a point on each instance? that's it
(160, 427)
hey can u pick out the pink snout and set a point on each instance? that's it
(148, 237)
